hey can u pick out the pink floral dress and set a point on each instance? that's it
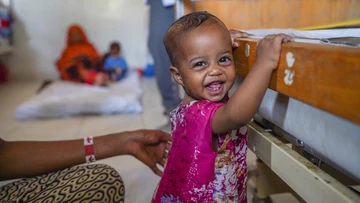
(194, 172)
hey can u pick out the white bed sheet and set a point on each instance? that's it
(308, 34)
(335, 138)
(66, 99)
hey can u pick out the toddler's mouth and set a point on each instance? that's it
(215, 88)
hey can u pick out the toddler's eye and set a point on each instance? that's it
(200, 64)
(224, 59)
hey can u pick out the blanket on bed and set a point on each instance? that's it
(66, 99)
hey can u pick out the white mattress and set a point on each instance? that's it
(335, 138)
(66, 99)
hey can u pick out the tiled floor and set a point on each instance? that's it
(140, 182)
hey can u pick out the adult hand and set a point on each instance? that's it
(30, 158)
(237, 34)
(150, 147)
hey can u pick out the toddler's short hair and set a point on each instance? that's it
(115, 45)
(179, 28)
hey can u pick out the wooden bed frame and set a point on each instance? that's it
(324, 76)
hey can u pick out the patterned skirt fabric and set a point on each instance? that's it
(85, 183)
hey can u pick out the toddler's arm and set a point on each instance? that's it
(124, 64)
(244, 103)
(108, 65)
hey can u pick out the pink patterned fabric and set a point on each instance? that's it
(194, 172)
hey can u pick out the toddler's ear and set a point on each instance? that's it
(176, 75)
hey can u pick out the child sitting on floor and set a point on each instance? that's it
(207, 159)
(115, 65)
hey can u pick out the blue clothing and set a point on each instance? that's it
(112, 63)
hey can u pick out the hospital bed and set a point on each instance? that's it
(313, 102)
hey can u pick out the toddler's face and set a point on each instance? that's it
(115, 52)
(206, 65)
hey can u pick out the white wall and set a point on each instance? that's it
(41, 25)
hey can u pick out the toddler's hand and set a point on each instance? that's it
(268, 50)
(118, 70)
(237, 34)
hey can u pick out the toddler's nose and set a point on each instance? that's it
(215, 70)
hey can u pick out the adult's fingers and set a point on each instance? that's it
(168, 145)
(156, 170)
(163, 136)
(167, 149)
(162, 162)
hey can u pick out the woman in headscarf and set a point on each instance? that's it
(80, 62)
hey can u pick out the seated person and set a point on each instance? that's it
(80, 62)
(115, 65)
(54, 171)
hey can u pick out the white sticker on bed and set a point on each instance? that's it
(289, 72)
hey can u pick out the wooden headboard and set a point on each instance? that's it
(255, 14)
